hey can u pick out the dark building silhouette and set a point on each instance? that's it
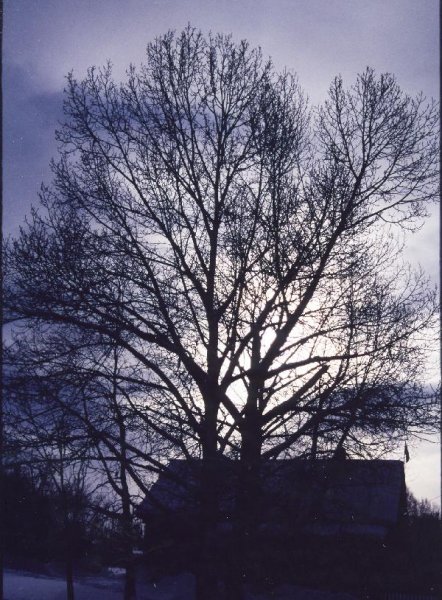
(322, 497)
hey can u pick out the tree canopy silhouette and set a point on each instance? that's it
(242, 249)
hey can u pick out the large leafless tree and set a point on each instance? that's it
(241, 249)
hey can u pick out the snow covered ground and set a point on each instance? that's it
(28, 586)
(20, 585)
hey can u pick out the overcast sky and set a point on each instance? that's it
(45, 39)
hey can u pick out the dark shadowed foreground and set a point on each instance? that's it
(25, 586)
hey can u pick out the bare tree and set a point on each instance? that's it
(228, 240)
(51, 446)
(108, 401)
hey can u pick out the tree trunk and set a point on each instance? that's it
(207, 567)
(68, 543)
(234, 568)
(248, 503)
(69, 575)
(130, 591)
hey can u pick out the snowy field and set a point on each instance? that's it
(28, 586)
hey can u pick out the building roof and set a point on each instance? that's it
(326, 496)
